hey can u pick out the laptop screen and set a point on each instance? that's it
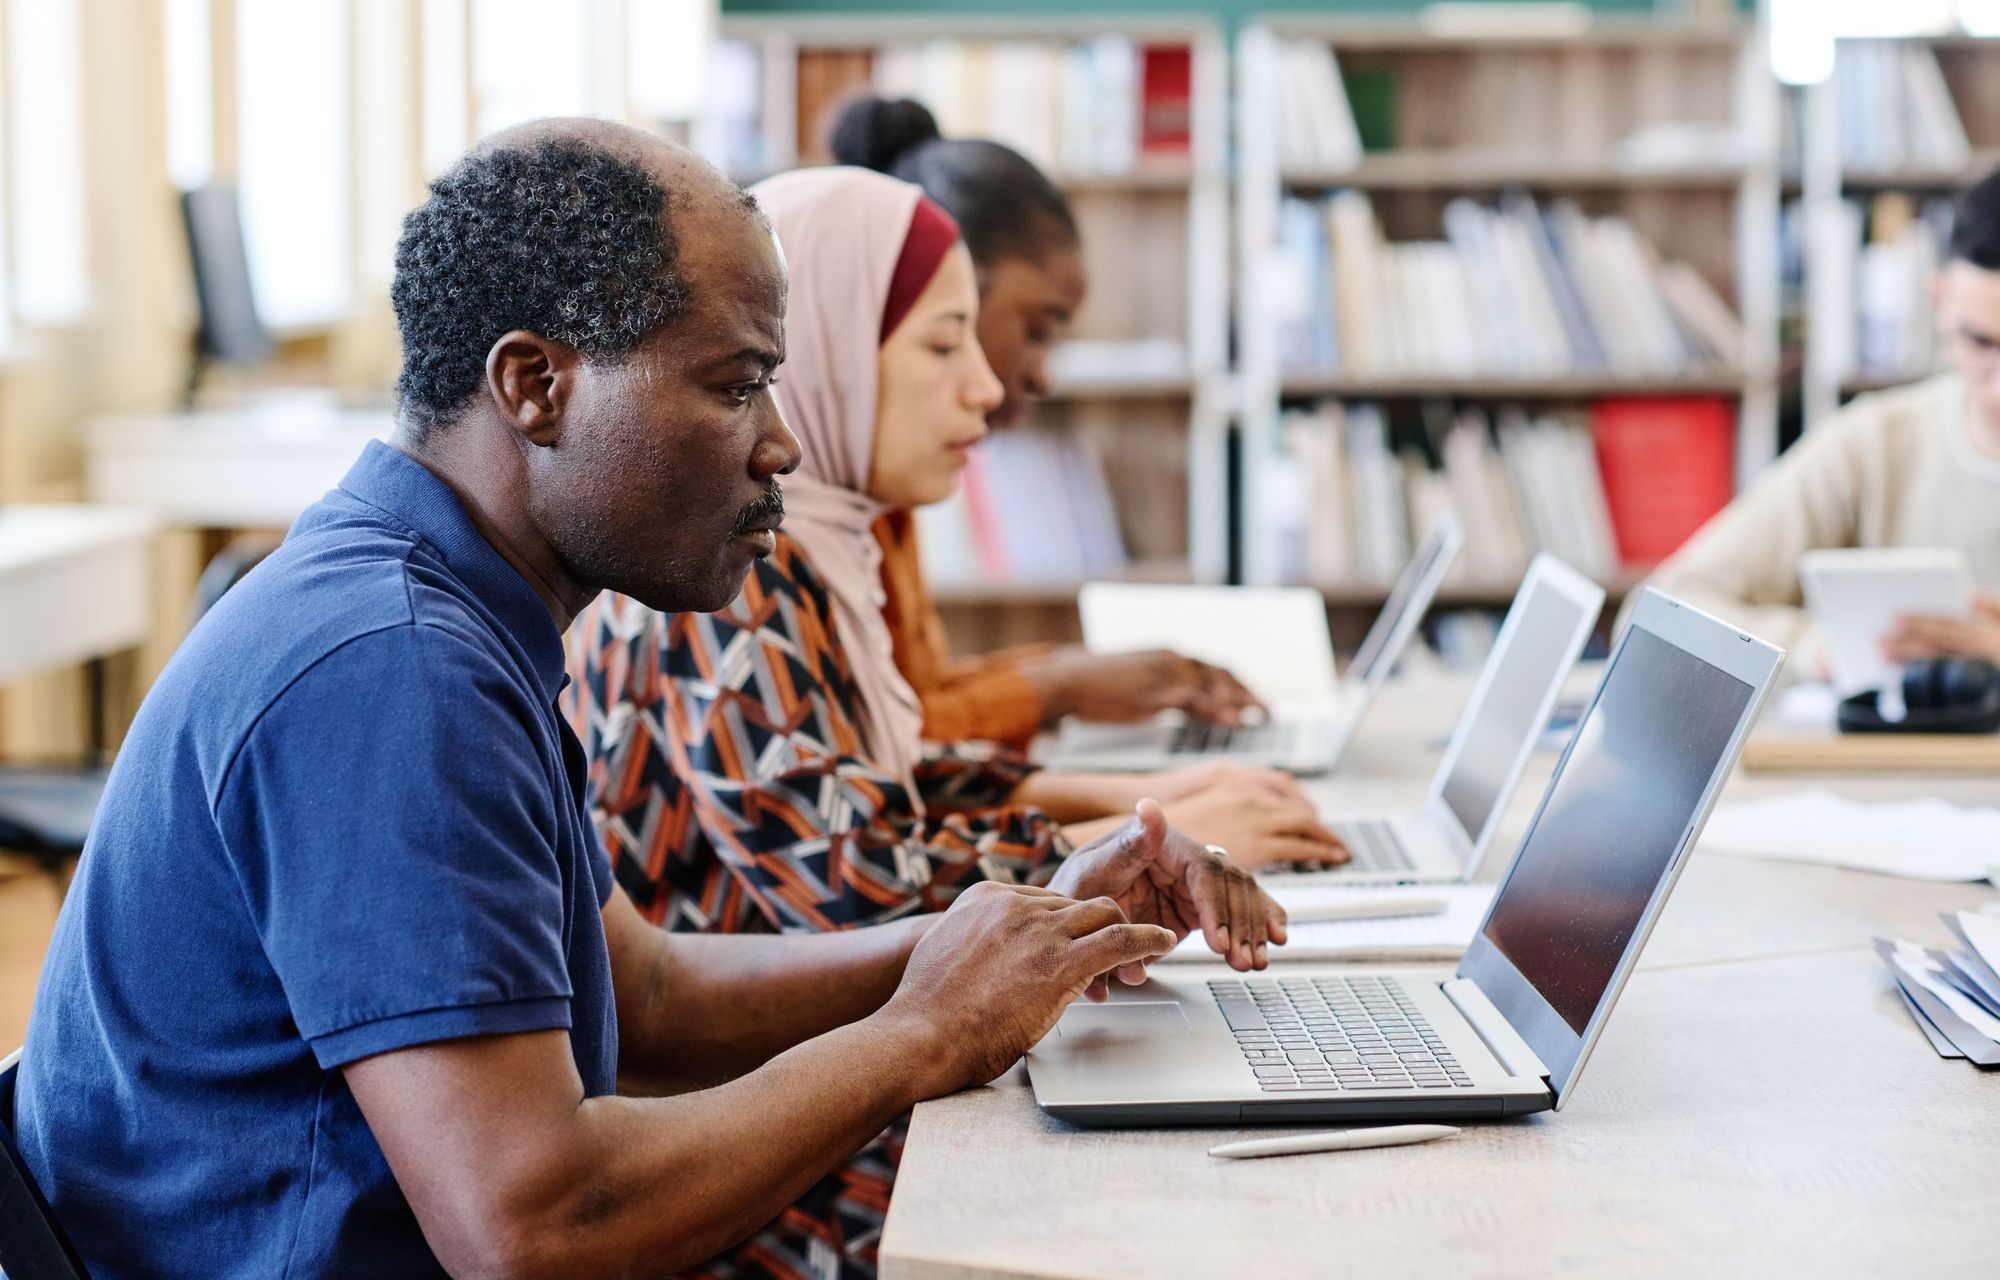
(1506, 714)
(1412, 592)
(1613, 820)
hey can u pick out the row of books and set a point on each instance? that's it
(1317, 130)
(1517, 288)
(1619, 487)
(1102, 106)
(1107, 105)
(1034, 507)
(1896, 111)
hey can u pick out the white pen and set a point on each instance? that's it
(1363, 909)
(1390, 1135)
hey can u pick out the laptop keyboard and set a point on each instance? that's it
(1322, 1035)
(1374, 846)
(1205, 737)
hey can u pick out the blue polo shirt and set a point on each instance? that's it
(347, 820)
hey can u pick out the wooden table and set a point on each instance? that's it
(1760, 1105)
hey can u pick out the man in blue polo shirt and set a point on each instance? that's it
(344, 986)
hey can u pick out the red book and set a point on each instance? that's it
(1166, 99)
(1669, 464)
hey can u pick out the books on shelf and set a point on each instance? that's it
(1317, 132)
(1896, 111)
(1034, 506)
(1348, 501)
(1103, 106)
(1515, 289)
(1897, 248)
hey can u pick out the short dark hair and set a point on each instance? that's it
(1975, 224)
(1004, 205)
(561, 238)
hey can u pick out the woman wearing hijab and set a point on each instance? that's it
(1029, 259)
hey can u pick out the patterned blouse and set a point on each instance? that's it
(730, 785)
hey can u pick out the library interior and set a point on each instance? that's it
(1329, 544)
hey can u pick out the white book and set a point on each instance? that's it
(1078, 144)
(1603, 299)
(1330, 553)
(1337, 137)
(1464, 449)
(1024, 100)
(1535, 306)
(1704, 315)
(1382, 532)
(1117, 98)
(1588, 483)
(1632, 260)
(1465, 223)
(1936, 134)
(1356, 253)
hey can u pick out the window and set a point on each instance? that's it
(50, 230)
(293, 163)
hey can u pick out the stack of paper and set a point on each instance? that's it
(1441, 935)
(1953, 995)
(1927, 839)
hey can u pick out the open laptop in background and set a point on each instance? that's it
(1545, 629)
(1275, 641)
(1510, 1031)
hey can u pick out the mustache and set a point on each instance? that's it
(766, 512)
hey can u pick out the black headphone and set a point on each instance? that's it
(1941, 695)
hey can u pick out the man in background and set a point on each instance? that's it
(1917, 466)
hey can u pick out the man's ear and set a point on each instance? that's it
(529, 379)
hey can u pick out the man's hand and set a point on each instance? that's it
(1118, 688)
(1976, 636)
(1156, 875)
(995, 972)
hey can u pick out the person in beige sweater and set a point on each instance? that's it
(1916, 466)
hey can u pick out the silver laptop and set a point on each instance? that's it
(1510, 1031)
(1551, 618)
(1276, 641)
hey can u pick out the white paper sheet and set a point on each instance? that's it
(1442, 936)
(1915, 839)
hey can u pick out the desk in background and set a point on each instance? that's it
(1759, 1105)
(75, 584)
(251, 467)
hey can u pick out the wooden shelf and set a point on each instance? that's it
(1601, 34)
(1460, 594)
(1179, 387)
(1479, 171)
(1174, 181)
(1052, 591)
(1577, 387)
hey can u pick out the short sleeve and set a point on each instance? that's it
(392, 817)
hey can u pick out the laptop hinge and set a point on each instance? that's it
(1501, 1039)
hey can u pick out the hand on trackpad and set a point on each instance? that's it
(1124, 1019)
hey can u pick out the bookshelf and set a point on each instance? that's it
(1141, 387)
(1880, 150)
(1661, 132)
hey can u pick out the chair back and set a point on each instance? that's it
(32, 1245)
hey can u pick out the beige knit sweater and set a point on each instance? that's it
(1892, 469)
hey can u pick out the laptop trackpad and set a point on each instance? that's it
(1123, 1020)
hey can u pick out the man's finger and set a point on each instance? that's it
(1119, 944)
(1088, 916)
(1277, 924)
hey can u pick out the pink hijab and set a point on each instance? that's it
(842, 231)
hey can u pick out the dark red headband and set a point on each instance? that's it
(932, 234)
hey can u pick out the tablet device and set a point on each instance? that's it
(1857, 593)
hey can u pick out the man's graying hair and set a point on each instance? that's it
(560, 238)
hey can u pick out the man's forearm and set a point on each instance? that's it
(703, 1008)
(659, 1184)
